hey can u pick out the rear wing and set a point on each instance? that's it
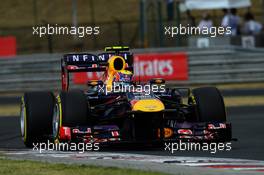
(82, 63)
(85, 62)
(117, 49)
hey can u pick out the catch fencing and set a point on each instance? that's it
(205, 66)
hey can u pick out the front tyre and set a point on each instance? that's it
(36, 117)
(210, 104)
(70, 110)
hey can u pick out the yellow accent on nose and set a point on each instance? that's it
(148, 105)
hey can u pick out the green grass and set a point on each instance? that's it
(9, 110)
(244, 101)
(19, 167)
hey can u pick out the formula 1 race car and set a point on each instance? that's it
(118, 109)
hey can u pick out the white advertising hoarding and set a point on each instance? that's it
(216, 4)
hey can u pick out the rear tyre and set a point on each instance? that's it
(71, 110)
(210, 105)
(36, 117)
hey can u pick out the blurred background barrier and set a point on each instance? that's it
(205, 66)
(137, 23)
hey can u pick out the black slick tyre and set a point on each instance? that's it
(210, 104)
(36, 117)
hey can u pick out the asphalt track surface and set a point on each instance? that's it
(248, 128)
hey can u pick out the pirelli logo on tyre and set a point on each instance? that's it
(169, 66)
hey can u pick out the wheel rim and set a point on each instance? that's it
(22, 119)
(56, 120)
